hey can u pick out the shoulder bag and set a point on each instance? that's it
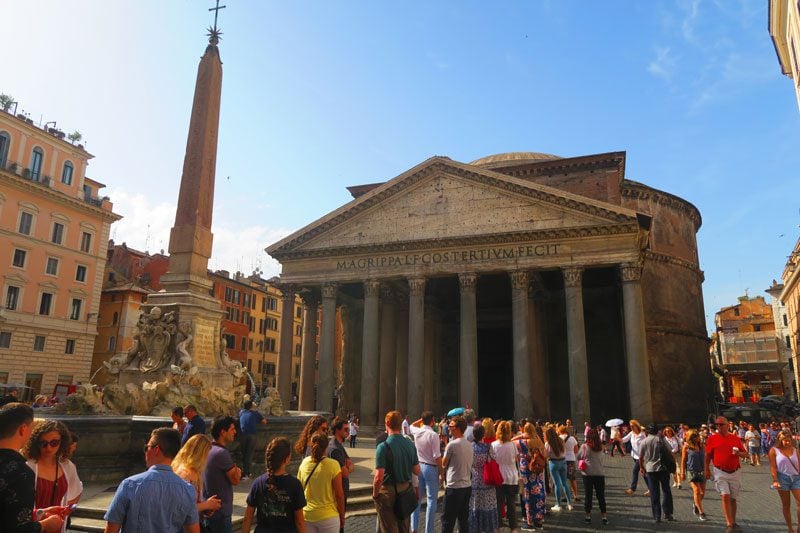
(491, 471)
(404, 502)
(538, 461)
(667, 459)
(582, 466)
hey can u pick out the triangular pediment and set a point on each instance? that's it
(442, 200)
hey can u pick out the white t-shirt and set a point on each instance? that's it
(505, 453)
(353, 429)
(569, 444)
(406, 426)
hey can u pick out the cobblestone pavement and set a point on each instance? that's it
(759, 507)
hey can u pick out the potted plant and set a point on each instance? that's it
(6, 101)
(75, 136)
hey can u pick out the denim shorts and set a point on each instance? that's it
(788, 482)
(754, 450)
(696, 477)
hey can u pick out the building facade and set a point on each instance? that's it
(524, 284)
(780, 318)
(790, 296)
(784, 28)
(748, 351)
(53, 236)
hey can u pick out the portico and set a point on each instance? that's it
(470, 288)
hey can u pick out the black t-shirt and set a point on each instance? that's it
(17, 491)
(276, 502)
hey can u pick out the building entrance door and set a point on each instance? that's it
(495, 372)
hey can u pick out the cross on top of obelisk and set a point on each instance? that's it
(214, 34)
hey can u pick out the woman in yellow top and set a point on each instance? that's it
(322, 483)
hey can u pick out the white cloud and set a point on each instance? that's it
(690, 20)
(664, 64)
(237, 246)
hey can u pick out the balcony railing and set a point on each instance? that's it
(47, 181)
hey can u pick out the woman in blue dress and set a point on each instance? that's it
(534, 493)
(483, 501)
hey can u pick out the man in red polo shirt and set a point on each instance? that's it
(724, 449)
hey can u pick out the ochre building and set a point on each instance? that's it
(522, 284)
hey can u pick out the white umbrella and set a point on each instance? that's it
(615, 422)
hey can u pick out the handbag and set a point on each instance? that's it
(491, 473)
(582, 465)
(405, 502)
(538, 462)
(667, 459)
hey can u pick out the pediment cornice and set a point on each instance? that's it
(439, 165)
(475, 240)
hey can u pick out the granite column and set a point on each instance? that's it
(369, 358)
(284, 369)
(468, 365)
(636, 342)
(308, 355)
(522, 364)
(416, 345)
(326, 380)
(576, 345)
(388, 352)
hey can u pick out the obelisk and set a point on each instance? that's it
(186, 282)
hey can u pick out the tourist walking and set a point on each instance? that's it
(532, 467)
(18, 487)
(506, 454)
(276, 498)
(353, 432)
(429, 455)
(556, 455)
(723, 451)
(395, 461)
(591, 457)
(321, 478)
(221, 474)
(635, 438)
(315, 425)
(483, 499)
(249, 419)
(195, 425)
(692, 466)
(189, 465)
(657, 462)
(616, 441)
(457, 464)
(674, 443)
(753, 439)
(336, 451)
(157, 499)
(570, 447)
(784, 465)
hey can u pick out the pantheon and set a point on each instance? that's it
(521, 284)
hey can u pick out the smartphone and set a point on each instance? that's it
(70, 508)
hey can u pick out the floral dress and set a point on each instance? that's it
(534, 494)
(483, 501)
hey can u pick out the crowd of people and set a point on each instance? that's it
(494, 473)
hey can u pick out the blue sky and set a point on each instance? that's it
(321, 95)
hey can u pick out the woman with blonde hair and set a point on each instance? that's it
(557, 455)
(321, 478)
(532, 453)
(189, 465)
(488, 430)
(692, 468)
(636, 436)
(784, 465)
(505, 453)
(674, 444)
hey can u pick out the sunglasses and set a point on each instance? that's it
(54, 443)
(323, 429)
(149, 446)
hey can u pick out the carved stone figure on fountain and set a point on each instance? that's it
(152, 343)
(234, 367)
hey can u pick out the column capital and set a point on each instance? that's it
(372, 287)
(329, 289)
(387, 293)
(467, 281)
(416, 286)
(535, 285)
(630, 272)
(288, 290)
(519, 279)
(310, 299)
(573, 276)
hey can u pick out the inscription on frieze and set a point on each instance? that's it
(445, 257)
(205, 340)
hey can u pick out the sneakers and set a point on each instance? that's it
(556, 508)
(569, 507)
(678, 485)
(703, 517)
(647, 493)
(695, 510)
(629, 492)
(605, 521)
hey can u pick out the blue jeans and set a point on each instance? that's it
(428, 485)
(558, 471)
